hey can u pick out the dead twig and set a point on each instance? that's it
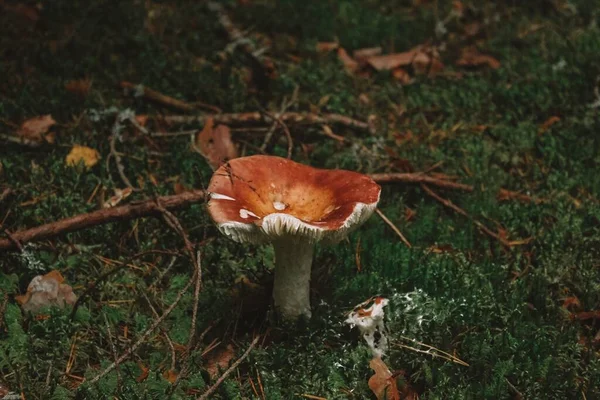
(104, 216)
(147, 333)
(233, 367)
(288, 135)
(394, 227)
(150, 207)
(113, 348)
(295, 118)
(419, 177)
(157, 97)
(462, 212)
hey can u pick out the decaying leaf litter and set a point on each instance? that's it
(144, 152)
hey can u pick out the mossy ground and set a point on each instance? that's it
(499, 310)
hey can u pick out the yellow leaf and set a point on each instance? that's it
(89, 156)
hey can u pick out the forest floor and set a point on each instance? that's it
(503, 281)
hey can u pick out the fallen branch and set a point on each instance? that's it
(157, 97)
(104, 216)
(298, 118)
(222, 378)
(150, 207)
(419, 178)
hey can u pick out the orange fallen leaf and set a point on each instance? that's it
(383, 383)
(326, 47)
(402, 76)
(471, 57)
(409, 214)
(571, 302)
(361, 55)
(349, 63)
(219, 360)
(170, 375)
(144, 374)
(80, 87)
(36, 129)
(548, 123)
(87, 155)
(391, 61)
(215, 144)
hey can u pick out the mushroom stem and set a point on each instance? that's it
(291, 289)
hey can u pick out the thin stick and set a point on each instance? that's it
(394, 227)
(462, 212)
(150, 207)
(287, 133)
(147, 333)
(157, 97)
(222, 378)
(419, 178)
(104, 216)
(164, 332)
(113, 347)
(295, 118)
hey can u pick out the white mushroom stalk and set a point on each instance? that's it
(263, 199)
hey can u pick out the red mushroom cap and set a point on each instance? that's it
(259, 198)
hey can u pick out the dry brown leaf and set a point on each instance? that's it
(144, 374)
(219, 360)
(430, 66)
(36, 129)
(326, 47)
(46, 290)
(409, 214)
(392, 61)
(80, 87)
(471, 57)
(361, 55)
(87, 155)
(548, 123)
(571, 302)
(215, 144)
(349, 63)
(382, 383)
(402, 76)
(170, 375)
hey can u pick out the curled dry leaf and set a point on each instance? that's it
(548, 123)
(361, 55)
(391, 61)
(87, 155)
(215, 144)
(471, 57)
(349, 63)
(35, 130)
(170, 375)
(402, 76)
(145, 371)
(45, 291)
(383, 383)
(326, 47)
(219, 360)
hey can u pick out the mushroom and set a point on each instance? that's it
(266, 199)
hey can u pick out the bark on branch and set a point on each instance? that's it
(151, 207)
